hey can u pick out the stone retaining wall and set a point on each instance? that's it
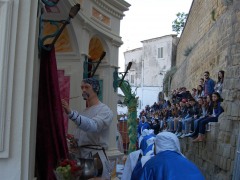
(212, 33)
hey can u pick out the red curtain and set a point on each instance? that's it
(64, 87)
(51, 145)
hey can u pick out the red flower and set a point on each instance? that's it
(74, 169)
(69, 164)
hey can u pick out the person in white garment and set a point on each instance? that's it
(92, 124)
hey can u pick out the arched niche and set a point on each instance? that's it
(96, 49)
(63, 43)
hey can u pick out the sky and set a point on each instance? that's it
(147, 19)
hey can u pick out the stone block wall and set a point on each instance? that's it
(206, 38)
(212, 33)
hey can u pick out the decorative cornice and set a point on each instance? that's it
(120, 4)
(109, 8)
(89, 27)
(116, 43)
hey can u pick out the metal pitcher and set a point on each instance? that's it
(88, 167)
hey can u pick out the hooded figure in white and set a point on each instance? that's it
(168, 163)
(166, 141)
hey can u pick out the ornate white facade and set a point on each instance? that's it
(97, 22)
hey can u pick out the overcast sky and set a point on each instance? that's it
(148, 19)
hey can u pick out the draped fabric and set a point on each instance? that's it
(51, 145)
(64, 85)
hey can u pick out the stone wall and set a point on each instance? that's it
(212, 38)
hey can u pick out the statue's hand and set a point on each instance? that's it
(65, 106)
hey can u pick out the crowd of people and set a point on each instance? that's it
(161, 125)
(186, 113)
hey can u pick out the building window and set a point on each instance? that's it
(139, 104)
(132, 79)
(160, 52)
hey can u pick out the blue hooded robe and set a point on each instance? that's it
(169, 165)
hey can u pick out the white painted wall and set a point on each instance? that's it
(148, 70)
(154, 66)
(147, 96)
(134, 56)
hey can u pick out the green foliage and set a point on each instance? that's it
(132, 102)
(213, 13)
(179, 23)
(167, 79)
(188, 51)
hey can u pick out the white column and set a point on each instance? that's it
(17, 159)
(110, 98)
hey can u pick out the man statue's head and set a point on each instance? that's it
(90, 88)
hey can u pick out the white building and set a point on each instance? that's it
(121, 108)
(149, 66)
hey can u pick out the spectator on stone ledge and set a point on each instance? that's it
(155, 126)
(217, 110)
(195, 114)
(208, 84)
(187, 118)
(200, 91)
(182, 114)
(218, 86)
(183, 94)
(194, 93)
(201, 82)
(207, 109)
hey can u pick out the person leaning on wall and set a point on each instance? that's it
(219, 85)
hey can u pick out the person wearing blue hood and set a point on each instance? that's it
(138, 158)
(169, 163)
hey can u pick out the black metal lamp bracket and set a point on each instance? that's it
(74, 10)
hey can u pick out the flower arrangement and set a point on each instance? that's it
(68, 170)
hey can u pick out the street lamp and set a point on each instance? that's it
(125, 73)
(73, 11)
